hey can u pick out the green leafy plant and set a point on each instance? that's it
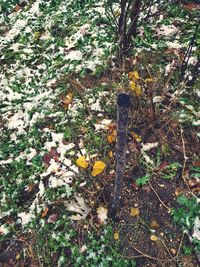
(170, 171)
(187, 216)
(143, 180)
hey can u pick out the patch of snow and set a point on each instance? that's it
(3, 230)
(196, 229)
(157, 99)
(3, 162)
(174, 45)
(74, 55)
(193, 61)
(25, 217)
(103, 125)
(149, 146)
(96, 106)
(166, 30)
(57, 137)
(31, 154)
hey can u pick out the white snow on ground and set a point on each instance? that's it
(30, 94)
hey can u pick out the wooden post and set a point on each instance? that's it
(123, 105)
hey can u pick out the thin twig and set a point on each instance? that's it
(151, 257)
(180, 244)
(185, 161)
(168, 209)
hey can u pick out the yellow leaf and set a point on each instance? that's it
(98, 168)
(135, 212)
(18, 256)
(134, 75)
(81, 162)
(136, 88)
(117, 13)
(153, 238)
(136, 136)
(133, 85)
(112, 137)
(37, 35)
(154, 225)
(68, 100)
(110, 154)
(138, 91)
(149, 80)
(116, 236)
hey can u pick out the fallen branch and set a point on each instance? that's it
(123, 105)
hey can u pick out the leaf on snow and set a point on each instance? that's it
(98, 168)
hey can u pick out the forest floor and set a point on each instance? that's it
(59, 80)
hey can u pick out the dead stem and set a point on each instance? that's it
(168, 209)
(180, 244)
(184, 163)
(150, 257)
(78, 87)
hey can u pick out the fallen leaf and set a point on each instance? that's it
(102, 214)
(134, 75)
(135, 186)
(153, 238)
(163, 166)
(133, 85)
(178, 192)
(149, 80)
(52, 218)
(37, 35)
(18, 256)
(30, 187)
(136, 136)
(192, 6)
(112, 137)
(196, 163)
(67, 100)
(98, 168)
(9, 220)
(173, 251)
(135, 212)
(135, 88)
(81, 162)
(44, 213)
(116, 235)
(154, 225)
(53, 154)
(17, 8)
(83, 130)
(110, 154)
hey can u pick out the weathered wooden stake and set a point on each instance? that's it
(123, 105)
